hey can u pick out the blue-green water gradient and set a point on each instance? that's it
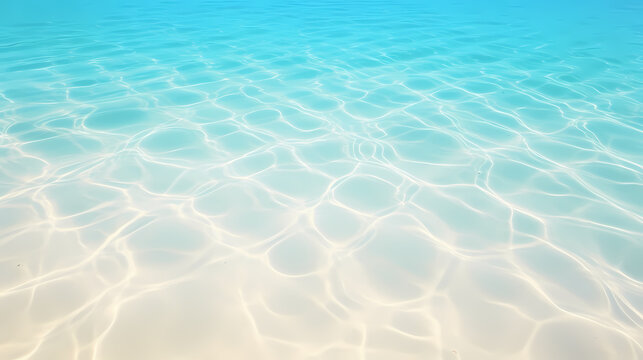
(321, 180)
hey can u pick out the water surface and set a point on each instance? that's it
(272, 180)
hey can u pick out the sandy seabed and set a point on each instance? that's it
(317, 182)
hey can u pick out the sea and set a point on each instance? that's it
(332, 179)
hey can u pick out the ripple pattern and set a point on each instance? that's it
(328, 181)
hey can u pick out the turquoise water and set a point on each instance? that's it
(273, 180)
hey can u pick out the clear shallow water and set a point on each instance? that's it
(279, 181)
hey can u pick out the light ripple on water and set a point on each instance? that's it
(321, 181)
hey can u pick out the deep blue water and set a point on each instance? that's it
(328, 180)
